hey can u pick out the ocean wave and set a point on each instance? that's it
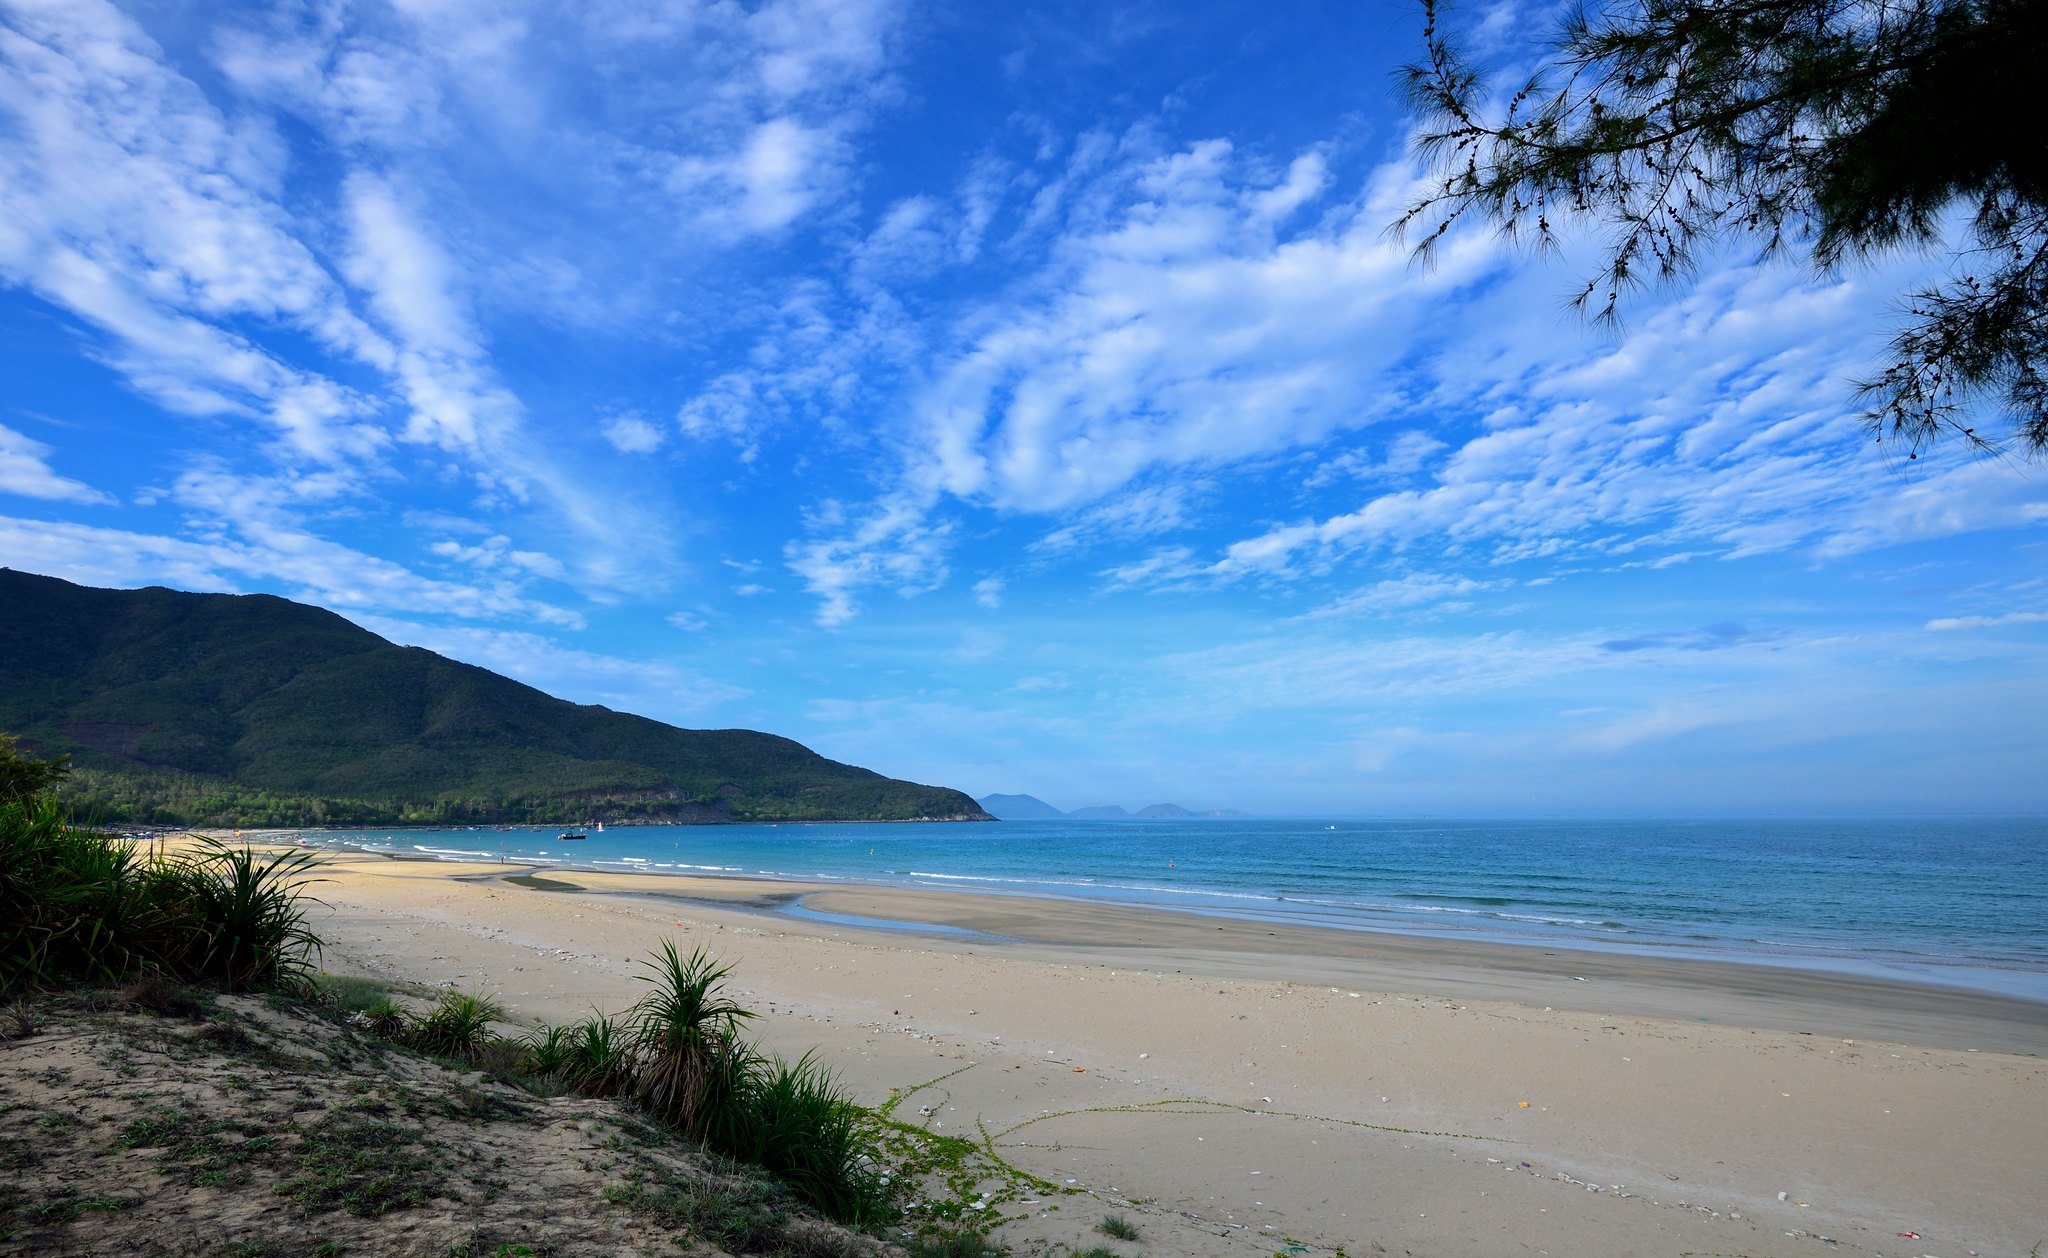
(1097, 885)
(1542, 919)
(1024, 882)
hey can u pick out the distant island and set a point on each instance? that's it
(255, 711)
(1032, 808)
(1018, 808)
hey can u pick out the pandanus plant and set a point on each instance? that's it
(249, 926)
(689, 1063)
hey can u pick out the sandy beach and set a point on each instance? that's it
(1237, 1088)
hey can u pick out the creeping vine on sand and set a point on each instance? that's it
(961, 1165)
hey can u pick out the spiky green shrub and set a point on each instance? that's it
(386, 1019)
(82, 906)
(547, 1052)
(685, 1039)
(691, 1067)
(74, 905)
(248, 928)
(794, 1122)
(458, 1027)
(600, 1060)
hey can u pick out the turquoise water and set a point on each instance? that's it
(1962, 902)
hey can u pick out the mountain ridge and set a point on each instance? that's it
(255, 710)
(1032, 808)
(1017, 807)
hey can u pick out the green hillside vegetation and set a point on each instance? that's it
(250, 710)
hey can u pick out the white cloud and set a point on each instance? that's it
(1698, 434)
(893, 547)
(25, 470)
(457, 401)
(129, 200)
(498, 554)
(1662, 722)
(367, 91)
(90, 555)
(1176, 336)
(1166, 567)
(777, 172)
(989, 592)
(1943, 500)
(1170, 331)
(266, 522)
(1141, 513)
(1407, 454)
(1307, 176)
(133, 203)
(248, 539)
(630, 434)
(1416, 591)
(1949, 623)
(909, 243)
(1181, 335)
(980, 194)
(476, 175)
(407, 274)
(728, 407)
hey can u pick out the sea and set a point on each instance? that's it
(1958, 902)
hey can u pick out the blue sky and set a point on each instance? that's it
(1021, 398)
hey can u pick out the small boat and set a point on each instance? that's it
(568, 838)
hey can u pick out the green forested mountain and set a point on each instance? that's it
(252, 710)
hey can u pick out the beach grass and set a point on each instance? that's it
(350, 994)
(793, 1121)
(967, 1243)
(90, 908)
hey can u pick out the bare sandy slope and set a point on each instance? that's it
(1233, 1089)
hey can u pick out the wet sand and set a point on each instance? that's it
(1231, 1085)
